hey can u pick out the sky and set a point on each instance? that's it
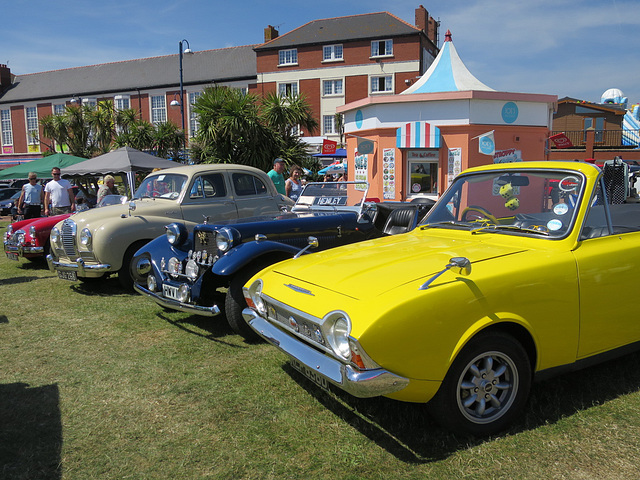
(568, 48)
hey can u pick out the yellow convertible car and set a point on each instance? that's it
(518, 272)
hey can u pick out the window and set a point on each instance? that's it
(332, 87)
(208, 186)
(121, 102)
(90, 102)
(5, 123)
(424, 176)
(285, 89)
(381, 48)
(158, 109)
(32, 125)
(194, 124)
(331, 53)
(382, 84)
(59, 109)
(247, 184)
(329, 124)
(598, 124)
(288, 57)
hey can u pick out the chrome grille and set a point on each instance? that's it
(69, 238)
(205, 241)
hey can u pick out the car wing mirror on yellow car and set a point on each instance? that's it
(461, 265)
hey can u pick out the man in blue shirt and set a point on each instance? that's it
(31, 198)
(276, 175)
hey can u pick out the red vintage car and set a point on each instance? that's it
(30, 238)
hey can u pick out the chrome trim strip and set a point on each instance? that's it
(79, 266)
(362, 384)
(176, 305)
(20, 250)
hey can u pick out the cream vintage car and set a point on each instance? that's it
(99, 242)
(519, 271)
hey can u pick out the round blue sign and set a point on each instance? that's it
(359, 119)
(487, 146)
(509, 112)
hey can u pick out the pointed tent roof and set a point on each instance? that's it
(447, 73)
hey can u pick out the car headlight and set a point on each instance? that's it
(254, 300)
(191, 270)
(176, 234)
(32, 231)
(151, 283)
(85, 237)
(55, 236)
(338, 333)
(225, 238)
(174, 266)
(19, 237)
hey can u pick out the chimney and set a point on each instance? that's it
(422, 17)
(5, 77)
(270, 33)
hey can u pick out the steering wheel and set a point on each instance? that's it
(477, 214)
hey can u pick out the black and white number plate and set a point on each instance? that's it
(311, 374)
(12, 256)
(73, 276)
(169, 291)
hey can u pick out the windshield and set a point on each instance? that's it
(529, 202)
(161, 186)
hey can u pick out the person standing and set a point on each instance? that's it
(31, 198)
(293, 185)
(107, 188)
(59, 194)
(276, 176)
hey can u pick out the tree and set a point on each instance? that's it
(239, 128)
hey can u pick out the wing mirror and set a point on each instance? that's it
(312, 242)
(460, 265)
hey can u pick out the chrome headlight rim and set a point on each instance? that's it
(32, 231)
(337, 330)
(176, 234)
(226, 238)
(253, 294)
(55, 237)
(174, 267)
(86, 237)
(191, 270)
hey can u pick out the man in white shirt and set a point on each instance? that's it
(31, 198)
(59, 194)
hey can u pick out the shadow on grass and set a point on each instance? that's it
(100, 287)
(16, 280)
(406, 431)
(216, 327)
(30, 432)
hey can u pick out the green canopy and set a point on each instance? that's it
(42, 166)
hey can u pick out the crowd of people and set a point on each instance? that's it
(292, 186)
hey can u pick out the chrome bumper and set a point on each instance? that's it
(177, 305)
(21, 249)
(363, 384)
(78, 266)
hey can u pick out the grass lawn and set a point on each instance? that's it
(99, 383)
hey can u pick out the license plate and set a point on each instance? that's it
(311, 374)
(12, 256)
(73, 276)
(170, 291)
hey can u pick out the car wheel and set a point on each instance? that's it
(234, 303)
(485, 388)
(125, 278)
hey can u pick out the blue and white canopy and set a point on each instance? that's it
(447, 73)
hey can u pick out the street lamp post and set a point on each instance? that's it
(181, 52)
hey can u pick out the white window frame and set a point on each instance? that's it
(121, 102)
(91, 102)
(31, 121)
(329, 125)
(194, 124)
(158, 105)
(288, 57)
(286, 88)
(333, 53)
(6, 132)
(374, 81)
(388, 48)
(59, 108)
(334, 83)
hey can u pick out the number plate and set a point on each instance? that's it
(73, 276)
(311, 374)
(170, 291)
(12, 256)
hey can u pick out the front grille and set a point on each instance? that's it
(205, 241)
(69, 238)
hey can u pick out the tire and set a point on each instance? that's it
(124, 274)
(493, 363)
(234, 303)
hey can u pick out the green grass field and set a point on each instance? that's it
(98, 383)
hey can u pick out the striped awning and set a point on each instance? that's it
(418, 135)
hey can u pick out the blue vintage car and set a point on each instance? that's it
(203, 272)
